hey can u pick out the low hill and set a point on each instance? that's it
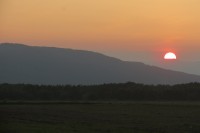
(51, 66)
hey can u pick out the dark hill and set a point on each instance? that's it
(47, 65)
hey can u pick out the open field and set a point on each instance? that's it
(116, 117)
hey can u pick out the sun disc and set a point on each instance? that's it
(170, 56)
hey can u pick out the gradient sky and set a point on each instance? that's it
(140, 30)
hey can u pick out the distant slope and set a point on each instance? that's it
(46, 65)
(192, 67)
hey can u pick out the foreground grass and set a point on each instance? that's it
(143, 117)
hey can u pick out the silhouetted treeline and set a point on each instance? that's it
(106, 92)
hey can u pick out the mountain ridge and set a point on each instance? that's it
(49, 65)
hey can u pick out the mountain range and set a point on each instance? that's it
(52, 66)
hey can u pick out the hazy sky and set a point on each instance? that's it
(129, 29)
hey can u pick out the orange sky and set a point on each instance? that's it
(113, 26)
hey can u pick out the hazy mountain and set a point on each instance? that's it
(191, 67)
(47, 65)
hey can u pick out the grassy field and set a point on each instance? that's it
(136, 117)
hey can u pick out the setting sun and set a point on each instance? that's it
(170, 56)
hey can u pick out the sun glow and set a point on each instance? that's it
(170, 56)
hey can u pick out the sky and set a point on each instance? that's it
(134, 30)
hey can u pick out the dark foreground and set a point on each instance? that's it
(138, 117)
